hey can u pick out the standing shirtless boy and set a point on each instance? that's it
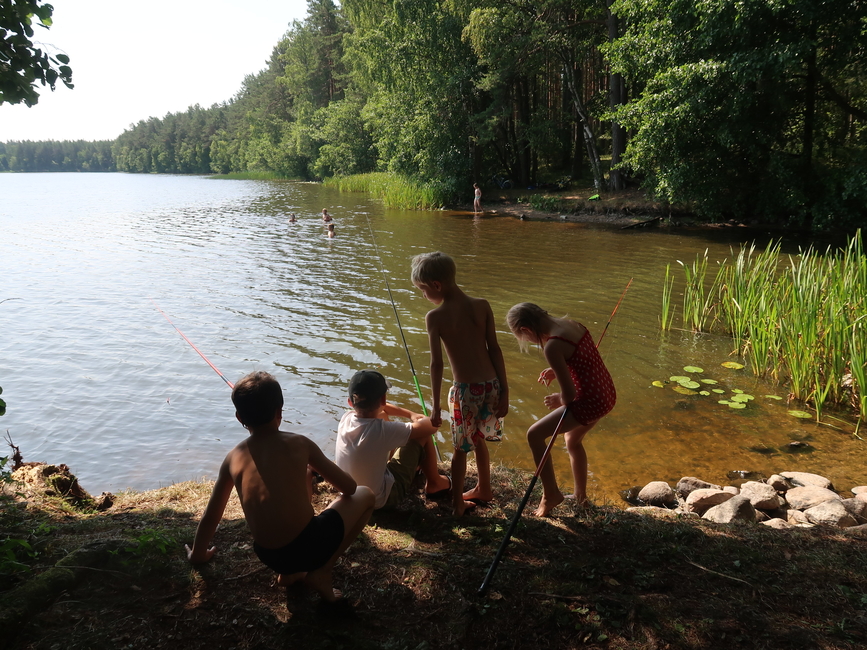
(269, 471)
(479, 396)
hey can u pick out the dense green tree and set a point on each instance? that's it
(748, 108)
(23, 62)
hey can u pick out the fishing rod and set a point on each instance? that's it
(513, 524)
(222, 376)
(400, 328)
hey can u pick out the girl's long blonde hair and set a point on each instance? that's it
(529, 315)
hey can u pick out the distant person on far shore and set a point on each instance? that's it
(477, 198)
(269, 470)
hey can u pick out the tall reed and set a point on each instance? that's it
(395, 190)
(799, 318)
(667, 316)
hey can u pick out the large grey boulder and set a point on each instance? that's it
(658, 493)
(830, 513)
(689, 484)
(809, 496)
(761, 495)
(702, 499)
(859, 489)
(802, 479)
(857, 508)
(737, 508)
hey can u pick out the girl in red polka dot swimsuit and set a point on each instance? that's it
(586, 390)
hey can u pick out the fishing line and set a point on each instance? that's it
(400, 328)
(508, 536)
(222, 376)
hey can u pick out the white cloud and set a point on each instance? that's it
(134, 60)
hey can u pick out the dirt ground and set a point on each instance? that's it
(597, 578)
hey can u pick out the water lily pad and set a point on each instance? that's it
(734, 365)
(678, 378)
(708, 381)
(693, 369)
(704, 392)
(737, 390)
(724, 401)
(777, 397)
(688, 383)
(658, 384)
(743, 398)
(718, 391)
(801, 414)
(684, 391)
(737, 405)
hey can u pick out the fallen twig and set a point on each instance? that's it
(723, 575)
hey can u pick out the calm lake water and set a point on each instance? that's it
(96, 378)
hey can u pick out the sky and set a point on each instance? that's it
(132, 60)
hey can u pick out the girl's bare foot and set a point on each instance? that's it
(462, 506)
(547, 504)
(440, 486)
(320, 582)
(479, 495)
(583, 503)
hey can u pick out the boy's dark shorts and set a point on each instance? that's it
(403, 466)
(313, 547)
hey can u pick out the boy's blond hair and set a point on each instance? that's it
(433, 267)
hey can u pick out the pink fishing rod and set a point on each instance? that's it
(222, 376)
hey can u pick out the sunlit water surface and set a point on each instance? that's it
(96, 378)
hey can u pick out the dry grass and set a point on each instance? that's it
(599, 579)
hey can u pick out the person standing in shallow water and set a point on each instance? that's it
(586, 393)
(477, 198)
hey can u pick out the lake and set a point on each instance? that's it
(96, 378)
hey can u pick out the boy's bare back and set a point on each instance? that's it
(465, 325)
(269, 472)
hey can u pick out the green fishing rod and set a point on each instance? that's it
(403, 338)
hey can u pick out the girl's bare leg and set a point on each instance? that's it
(459, 473)
(434, 481)
(578, 460)
(482, 491)
(537, 435)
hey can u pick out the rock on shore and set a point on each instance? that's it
(782, 501)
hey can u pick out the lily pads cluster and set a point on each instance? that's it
(706, 387)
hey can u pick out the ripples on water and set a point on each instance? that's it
(96, 378)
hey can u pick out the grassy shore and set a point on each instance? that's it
(601, 578)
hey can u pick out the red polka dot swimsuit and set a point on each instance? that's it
(594, 389)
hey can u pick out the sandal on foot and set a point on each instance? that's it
(439, 494)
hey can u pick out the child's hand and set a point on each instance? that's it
(436, 419)
(502, 407)
(200, 560)
(415, 417)
(553, 400)
(546, 376)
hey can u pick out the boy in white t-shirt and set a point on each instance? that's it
(366, 439)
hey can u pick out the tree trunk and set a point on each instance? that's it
(617, 97)
(583, 121)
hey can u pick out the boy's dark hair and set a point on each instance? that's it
(366, 389)
(433, 267)
(257, 397)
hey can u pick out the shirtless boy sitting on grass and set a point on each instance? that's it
(269, 471)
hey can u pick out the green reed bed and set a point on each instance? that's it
(395, 190)
(800, 319)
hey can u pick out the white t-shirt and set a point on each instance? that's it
(363, 446)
